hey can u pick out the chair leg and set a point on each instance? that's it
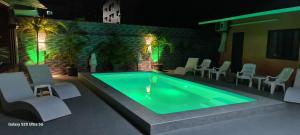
(236, 81)
(50, 90)
(35, 91)
(217, 76)
(202, 73)
(272, 89)
(250, 83)
(283, 86)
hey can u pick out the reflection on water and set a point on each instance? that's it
(148, 89)
(153, 80)
(148, 96)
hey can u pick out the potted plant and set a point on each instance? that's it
(73, 40)
(155, 45)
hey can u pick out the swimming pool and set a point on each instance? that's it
(164, 94)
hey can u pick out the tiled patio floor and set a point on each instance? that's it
(92, 116)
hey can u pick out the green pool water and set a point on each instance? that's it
(164, 94)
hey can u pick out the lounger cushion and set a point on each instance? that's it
(14, 87)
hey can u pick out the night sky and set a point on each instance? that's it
(169, 13)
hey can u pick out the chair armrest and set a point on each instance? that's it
(238, 73)
(215, 69)
(268, 78)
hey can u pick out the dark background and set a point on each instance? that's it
(170, 13)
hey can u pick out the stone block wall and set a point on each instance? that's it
(187, 43)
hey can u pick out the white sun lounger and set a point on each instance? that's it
(190, 65)
(41, 75)
(16, 94)
(293, 93)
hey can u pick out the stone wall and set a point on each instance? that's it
(187, 42)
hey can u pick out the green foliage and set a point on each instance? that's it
(114, 53)
(73, 40)
(30, 27)
(35, 25)
(158, 45)
(162, 42)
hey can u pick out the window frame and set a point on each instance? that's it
(269, 54)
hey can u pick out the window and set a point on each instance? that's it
(111, 6)
(283, 44)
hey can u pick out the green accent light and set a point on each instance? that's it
(154, 54)
(254, 22)
(271, 12)
(31, 53)
(164, 94)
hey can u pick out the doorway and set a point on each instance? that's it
(237, 51)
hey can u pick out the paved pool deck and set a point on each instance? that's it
(92, 116)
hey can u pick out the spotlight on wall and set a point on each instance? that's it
(149, 38)
(42, 41)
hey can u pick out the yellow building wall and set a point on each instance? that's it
(255, 44)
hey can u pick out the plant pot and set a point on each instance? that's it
(72, 71)
(158, 66)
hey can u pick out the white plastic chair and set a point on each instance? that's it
(279, 80)
(204, 66)
(293, 93)
(246, 73)
(220, 71)
(191, 65)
